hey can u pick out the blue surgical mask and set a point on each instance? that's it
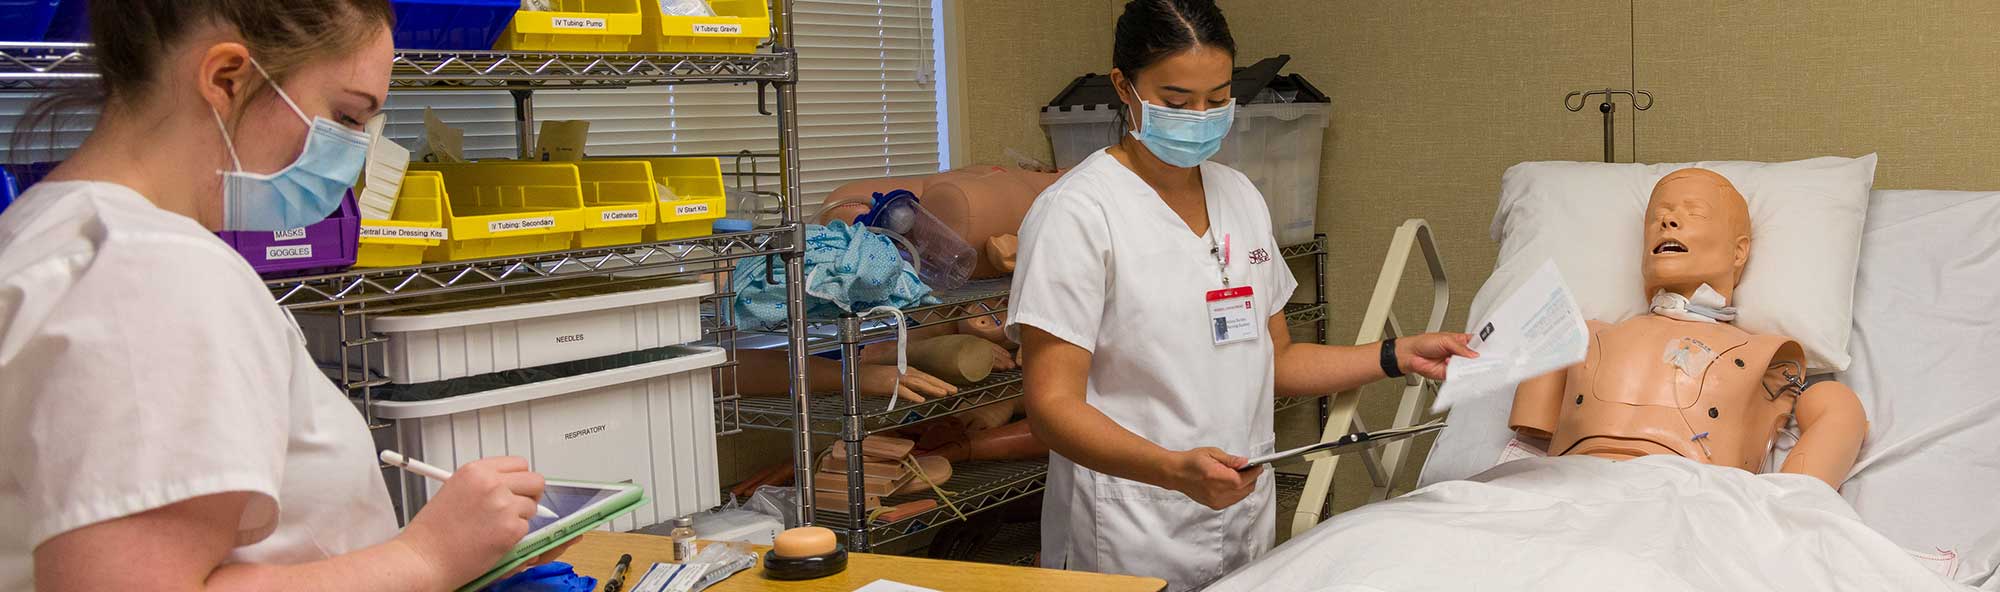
(1183, 137)
(302, 193)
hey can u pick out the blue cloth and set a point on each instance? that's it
(847, 268)
(548, 577)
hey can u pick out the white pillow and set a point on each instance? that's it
(1806, 218)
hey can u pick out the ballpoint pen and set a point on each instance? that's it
(618, 573)
(396, 459)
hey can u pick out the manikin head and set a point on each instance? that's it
(1697, 231)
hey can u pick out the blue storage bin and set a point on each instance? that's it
(7, 189)
(72, 22)
(451, 24)
(26, 20)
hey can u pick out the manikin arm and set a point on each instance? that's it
(1831, 428)
(1536, 405)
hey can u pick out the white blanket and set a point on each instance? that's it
(1582, 523)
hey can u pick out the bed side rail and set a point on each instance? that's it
(1379, 322)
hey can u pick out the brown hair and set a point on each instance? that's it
(133, 37)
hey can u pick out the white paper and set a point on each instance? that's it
(888, 586)
(1535, 331)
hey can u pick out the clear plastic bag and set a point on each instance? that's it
(686, 8)
(774, 501)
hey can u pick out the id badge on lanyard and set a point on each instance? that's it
(1232, 311)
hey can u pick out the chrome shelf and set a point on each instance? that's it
(1016, 544)
(974, 299)
(498, 69)
(775, 413)
(1301, 313)
(975, 486)
(46, 66)
(1307, 249)
(376, 285)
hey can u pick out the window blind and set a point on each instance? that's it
(867, 105)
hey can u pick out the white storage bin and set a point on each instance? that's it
(456, 340)
(650, 424)
(1276, 145)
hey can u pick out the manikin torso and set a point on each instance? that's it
(1652, 384)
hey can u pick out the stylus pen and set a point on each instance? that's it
(396, 459)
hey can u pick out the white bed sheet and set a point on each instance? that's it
(1926, 351)
(1582, 523)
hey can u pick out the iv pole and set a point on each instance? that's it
(1575, 100)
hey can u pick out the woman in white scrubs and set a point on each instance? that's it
(1149, 300)
(161, 426)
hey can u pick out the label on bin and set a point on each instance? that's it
(401, 232)
(288, 235)
(521, 224)
(619, 215)
(568, 22)
(691, 209)
(718, 29)
(291, 252)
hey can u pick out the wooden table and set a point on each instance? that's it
(595, 553)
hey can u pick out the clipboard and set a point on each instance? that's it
(1348, 444)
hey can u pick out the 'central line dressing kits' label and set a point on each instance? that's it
(404, 232)
(518, 224)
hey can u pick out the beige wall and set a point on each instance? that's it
(1434, 100)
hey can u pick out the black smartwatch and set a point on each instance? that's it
(1389, 366)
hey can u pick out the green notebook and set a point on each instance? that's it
(579, 506)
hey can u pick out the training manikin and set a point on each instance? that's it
(1683, 380)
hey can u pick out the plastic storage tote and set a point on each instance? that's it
(603, 26)
(738, 26)
(447, 340)
(72, 22)
(619, 202)
(417, 225)
(452, 24)
(504, 209)
(26, 20)
(8, 190)
(1276, 145)
(326, 246)
(697, 200)
(651, 424)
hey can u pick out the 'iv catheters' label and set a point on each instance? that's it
(402, 232)
(521, 224)
(594, 24)
(717, 29)
(619, 216)
(291, 252)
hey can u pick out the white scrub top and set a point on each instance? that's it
(142, 363)
(1104, 264)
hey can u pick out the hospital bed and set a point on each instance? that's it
(1926, 333)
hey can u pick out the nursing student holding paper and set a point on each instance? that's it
(1148, 297)
(161, 426)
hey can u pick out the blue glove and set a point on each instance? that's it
(548, 577)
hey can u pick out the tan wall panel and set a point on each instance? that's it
(1019, 54)
(1914, 80)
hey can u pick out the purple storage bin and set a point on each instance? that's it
(327, 246)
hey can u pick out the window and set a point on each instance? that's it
(868, 104)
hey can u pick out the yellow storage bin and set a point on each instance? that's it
(738, 26)
(618, 198)
(416, 226)
(598, 26)
(697, 201)
(503, 209)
